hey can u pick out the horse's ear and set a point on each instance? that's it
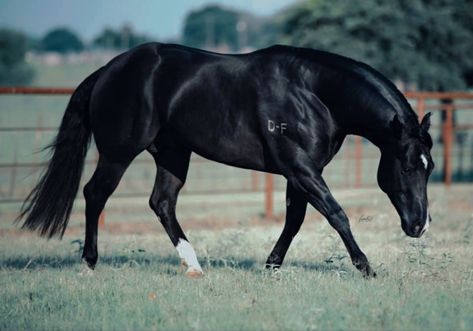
(425, 124)
(424, 131)
(396, 126)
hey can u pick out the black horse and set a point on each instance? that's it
(282, 110)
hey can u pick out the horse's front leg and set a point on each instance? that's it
(296, 206)
(318, 195)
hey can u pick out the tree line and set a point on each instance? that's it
(14, 45)
(427, 44)
(424, 43)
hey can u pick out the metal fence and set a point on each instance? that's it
(354, 166)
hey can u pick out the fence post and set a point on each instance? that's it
(13, 171)
(421, 107)
(347, 161)
(268, 196)
(448, 142)
(102, 220)
(254, 180)
(358, 156)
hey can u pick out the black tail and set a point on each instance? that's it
(48, 206)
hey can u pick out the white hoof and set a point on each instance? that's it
(194, 273)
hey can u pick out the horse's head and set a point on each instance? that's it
(403, 173)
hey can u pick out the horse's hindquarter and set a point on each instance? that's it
(121, 111)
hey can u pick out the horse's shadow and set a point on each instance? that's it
(141, 260)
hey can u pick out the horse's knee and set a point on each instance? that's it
(339, 220)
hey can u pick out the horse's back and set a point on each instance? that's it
(224, 107)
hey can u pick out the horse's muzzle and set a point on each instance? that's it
(417, 229)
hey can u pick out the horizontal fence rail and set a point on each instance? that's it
(36, 90)
(353, 158)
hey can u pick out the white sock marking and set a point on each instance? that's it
(187, 254)
(424, 161)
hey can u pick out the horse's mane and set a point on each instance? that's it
(385, 87)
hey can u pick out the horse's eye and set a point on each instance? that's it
(406, 170)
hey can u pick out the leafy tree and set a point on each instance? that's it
(267, 31)
(213, 26)
(13, 68)
(464, 16)
(61, 40)
(108, 39)
(123, 38)
(210, 27)
(426, 42)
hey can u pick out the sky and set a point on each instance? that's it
(160, 19)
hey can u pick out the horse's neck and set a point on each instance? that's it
(376, 126)
(366, 109)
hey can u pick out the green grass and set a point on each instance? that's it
(422, 283)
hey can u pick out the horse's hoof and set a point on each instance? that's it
(194, 273)
(272, 266)
(90, 262)
(87, 269)
(368, 273)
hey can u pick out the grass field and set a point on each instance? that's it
(138, 284)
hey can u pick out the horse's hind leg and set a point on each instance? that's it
(105, 179)
(296, 206)
(172, 164)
